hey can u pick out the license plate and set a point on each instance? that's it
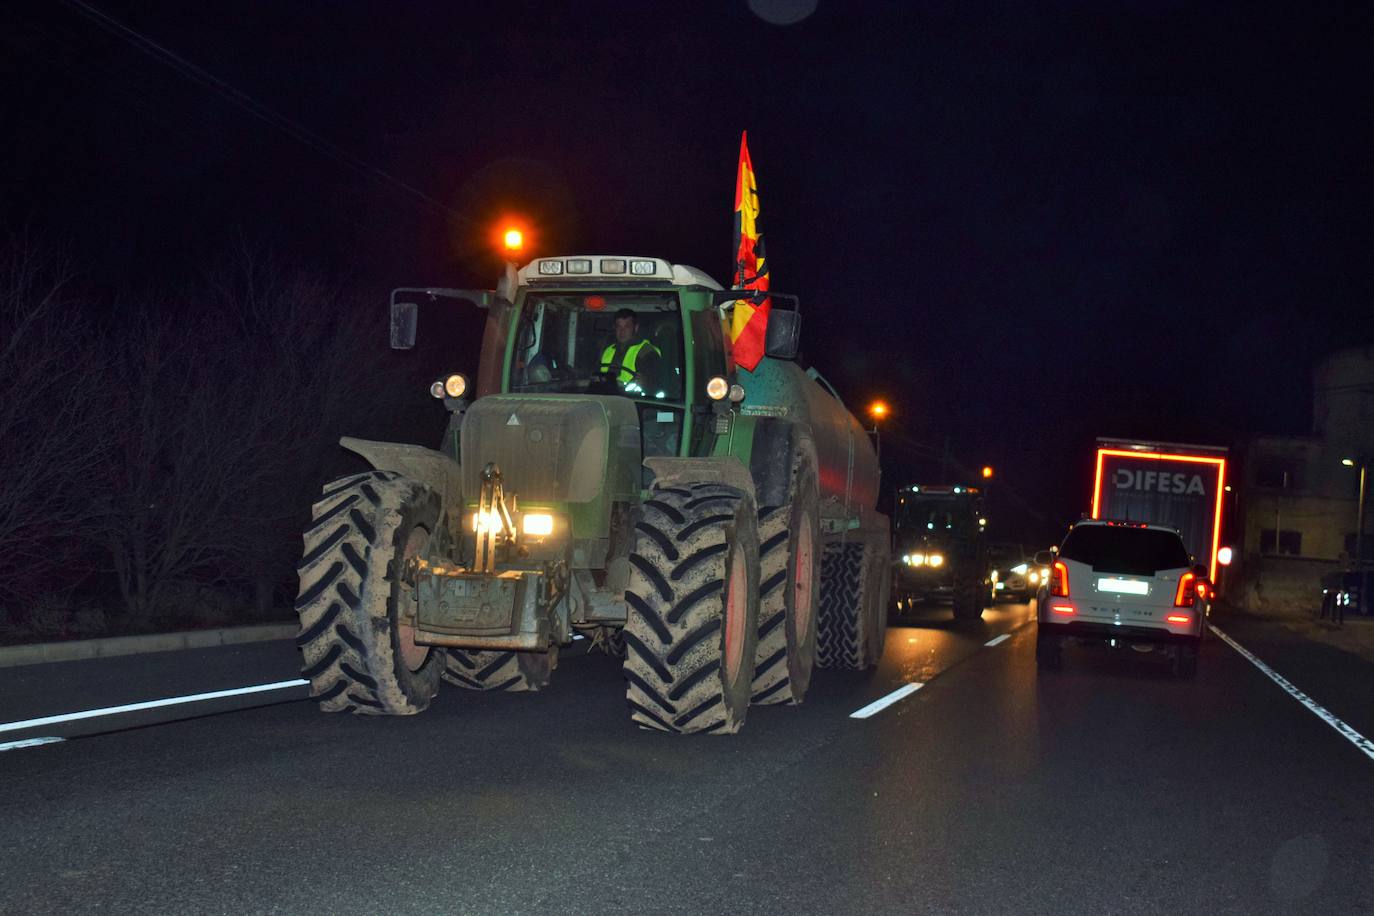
(1123, 586)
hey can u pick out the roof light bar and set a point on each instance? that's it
(612, 265)
(550, 268)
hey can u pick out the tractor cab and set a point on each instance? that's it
(620, 326)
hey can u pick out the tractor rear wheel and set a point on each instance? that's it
(969, 593)
(499, 669)
(853, 619)
(357, 634)
(692, 626)
(789, 593)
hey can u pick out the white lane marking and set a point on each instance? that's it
(1354, 737)
(150, 704)
(996, 639)
(29, 742)
(879, 705)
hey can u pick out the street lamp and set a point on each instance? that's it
(878, 410)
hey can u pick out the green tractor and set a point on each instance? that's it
(942, 548)
(614, 476)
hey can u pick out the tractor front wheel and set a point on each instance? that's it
(692, 626)
(356, 608)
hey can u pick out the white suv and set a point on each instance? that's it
(1125, 584)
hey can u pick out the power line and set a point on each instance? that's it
(227, 91)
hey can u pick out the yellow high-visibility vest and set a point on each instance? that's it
(627, 365)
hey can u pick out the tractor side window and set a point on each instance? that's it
(708, 361)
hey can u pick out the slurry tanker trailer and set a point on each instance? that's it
(608, 472)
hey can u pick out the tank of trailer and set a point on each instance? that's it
(848, 465)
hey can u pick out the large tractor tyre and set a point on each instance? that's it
(692, 627)
(789, 593)
(969, 592)
(880, 587)
(845, 636)
(359, 653)
(500, 669)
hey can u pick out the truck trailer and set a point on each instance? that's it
(1164, 483)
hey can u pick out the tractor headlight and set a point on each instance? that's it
(456, 385)
(717, 388)
(483, 522)
(537, 524)
(437, 389)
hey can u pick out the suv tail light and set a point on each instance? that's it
(1188, 588)
(1059, 580)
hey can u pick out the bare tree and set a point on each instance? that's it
(50, 371)
(223, 405)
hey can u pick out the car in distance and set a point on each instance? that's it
(1015, 575)
(1123, 584)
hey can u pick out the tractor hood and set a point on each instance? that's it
(554, 448)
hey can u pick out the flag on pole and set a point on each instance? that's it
(749, 322)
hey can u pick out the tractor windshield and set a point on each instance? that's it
(936, 517)
(626, 343)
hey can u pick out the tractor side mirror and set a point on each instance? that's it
(1044, 558)
(403, 318)
(783, 334)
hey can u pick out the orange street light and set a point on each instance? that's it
(878, 410)
(513, 239)
(987, 472)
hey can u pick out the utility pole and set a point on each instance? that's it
(1278, 509)
(1363, 464)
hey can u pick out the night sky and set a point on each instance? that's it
(1024, 225)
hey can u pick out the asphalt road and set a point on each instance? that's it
(1109, 786)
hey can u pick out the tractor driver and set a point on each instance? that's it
(632, 361)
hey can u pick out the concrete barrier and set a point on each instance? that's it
(78, 649)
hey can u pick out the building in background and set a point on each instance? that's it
(1297, 500)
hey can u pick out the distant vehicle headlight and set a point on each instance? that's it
(936, 559)
(1020, 570)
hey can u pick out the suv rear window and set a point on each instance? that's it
(1130, 551)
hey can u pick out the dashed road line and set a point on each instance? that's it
(150, 704)
(996, 639)
(1321, 712)
(29, 742)
(882, 703)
